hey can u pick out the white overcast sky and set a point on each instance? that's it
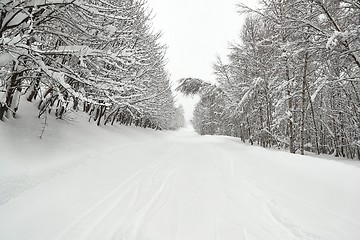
(195, 31)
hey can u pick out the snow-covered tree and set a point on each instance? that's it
(293, 80)
(101, 55)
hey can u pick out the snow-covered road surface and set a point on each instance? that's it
(140, 184)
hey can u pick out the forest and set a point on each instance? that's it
(292, 80)
(100, 57)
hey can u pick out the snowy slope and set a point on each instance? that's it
(85, 182)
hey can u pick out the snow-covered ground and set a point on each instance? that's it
(86, 182)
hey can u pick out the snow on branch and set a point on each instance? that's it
(191, 86)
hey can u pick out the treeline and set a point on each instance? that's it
(292, 82)
(101, 57)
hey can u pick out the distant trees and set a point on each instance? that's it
(293, 81)
(97, 56)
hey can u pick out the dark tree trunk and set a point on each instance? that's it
(303, 108)
(14, 85)
(34, 88)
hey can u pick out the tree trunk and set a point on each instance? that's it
(12, 94)
(290, 109)
(3, 109)
(314, 121)
(302, 132)
(33, 89)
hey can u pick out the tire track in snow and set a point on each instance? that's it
(103, 207)
(253, 196)
(246, 236)
(137, 230)
(289, 226)
(224, 174)
(115, 232)
(305, 202)
(13, 186)
(269, 206)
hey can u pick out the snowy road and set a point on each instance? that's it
(181, 186)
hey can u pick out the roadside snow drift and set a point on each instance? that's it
(86, 182)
